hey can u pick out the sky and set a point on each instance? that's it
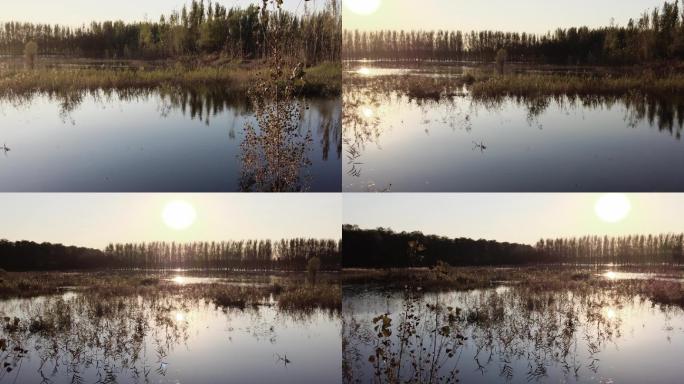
(94, 220)
(536, 16)
(78, 12)
(522, 218)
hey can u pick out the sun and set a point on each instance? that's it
(612, 207)
(179, 215)
(362, 7)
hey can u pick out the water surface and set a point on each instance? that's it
(396, 141)
(510, 334)
(150, 141)
(82, 337)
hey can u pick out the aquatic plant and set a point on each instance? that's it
(536, 322)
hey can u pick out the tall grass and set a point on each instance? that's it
(322, 80)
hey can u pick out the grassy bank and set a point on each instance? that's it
(665, 288)
(323, 80)
(535, 85)
(292, 293)
(482, 83)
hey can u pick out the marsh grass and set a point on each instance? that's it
(666, 289)
(290, 292)
(323, 80)
(484, 83)
(524, 323)
(310, 297)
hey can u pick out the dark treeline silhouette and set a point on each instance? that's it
(286, 254)
(200, 28)
(384, 248)
(655, 36)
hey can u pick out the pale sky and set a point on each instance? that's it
(78, 12)
(94, 220)
(536, 16)
(523, 218)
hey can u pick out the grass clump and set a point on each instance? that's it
(310, 297)
(323, 80)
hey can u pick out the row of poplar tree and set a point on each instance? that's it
(211, 28)
(656, 35)
(286, 254)
(384, 248)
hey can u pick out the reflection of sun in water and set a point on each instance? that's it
(610, 313)
(179, 215)
(180, 316)
(367, 112)
(611, 275)
(612, 207)
(362, 7)
(179, 280)
(364, 71)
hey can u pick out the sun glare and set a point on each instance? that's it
(180, 317)
(610, 275)
(612, 207)
(362, 7)
(180, 280)
(364, 71)
(179, 215)
(367, 112)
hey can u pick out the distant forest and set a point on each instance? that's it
(201, 28)
(384, 248)
(655, 36)
(291, 254)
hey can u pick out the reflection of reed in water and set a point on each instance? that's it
(103, 337)
(511, 331)
(88, 335)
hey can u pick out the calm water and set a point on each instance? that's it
(394, 142)
(148, 142)
(512, 335)
(81, 338)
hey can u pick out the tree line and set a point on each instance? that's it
(201, 28)
(655, 36)
(384, 248)
(632, 249)
(285, 254)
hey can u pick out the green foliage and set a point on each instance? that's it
(198, 28)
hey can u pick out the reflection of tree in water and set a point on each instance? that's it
(364, 124)
(288, 148)
(664, 113)
(429, 337)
